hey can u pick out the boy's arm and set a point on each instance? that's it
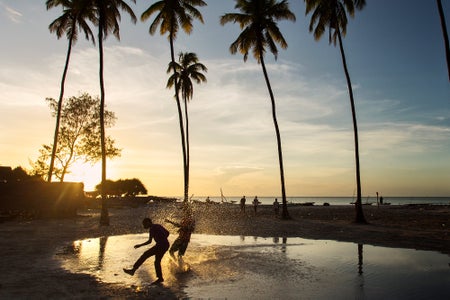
(144, 243)
(173, 223)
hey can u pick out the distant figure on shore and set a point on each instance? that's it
(207, 200)
(381, 200)
(160, 234)
(255, 204)
(243, 200)
(185, 229)
(276, 207)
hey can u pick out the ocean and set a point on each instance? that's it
(333, 200)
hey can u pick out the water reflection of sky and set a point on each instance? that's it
(236, 267)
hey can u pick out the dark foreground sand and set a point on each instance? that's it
(30, 270)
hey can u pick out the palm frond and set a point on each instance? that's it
(331, 15)
(257, 20)
(172, 15)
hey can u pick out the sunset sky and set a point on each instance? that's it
(396, 59)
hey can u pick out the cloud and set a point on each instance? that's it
(232, 134)
(12, 14)
(407, 137)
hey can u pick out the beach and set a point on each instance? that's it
(31, 266)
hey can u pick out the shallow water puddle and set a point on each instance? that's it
(236, 267)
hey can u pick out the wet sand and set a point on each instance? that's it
(30, 266)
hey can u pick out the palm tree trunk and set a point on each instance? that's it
(285, 213)
(358, 204)
(180, 118)
(445, 34)
(58, 113)
(187, 143)
(104, 217)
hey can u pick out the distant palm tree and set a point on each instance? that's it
(75, 15)
(188, 67)
(108, 17)
(170, 15)
(259, 30)
(332, 14)
(445, 35)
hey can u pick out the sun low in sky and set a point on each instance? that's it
(89, 174)
(396, 61)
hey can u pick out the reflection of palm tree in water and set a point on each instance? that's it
(284, 243)
(359, 280)
(101, 252)
(360, 259)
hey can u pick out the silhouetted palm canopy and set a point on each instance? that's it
(188, 67)
(170, 16)
(332, 15)
(260, 31)
(108, 12)
(259, 27)
(108, 17)
(173, 14)
(75, 15)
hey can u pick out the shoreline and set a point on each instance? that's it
(29, 247)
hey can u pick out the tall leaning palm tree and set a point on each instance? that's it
(260, 31)
(332, 14)
(187, 68)
(170, 16)
(445, 35)
(108, 17)
(75, 15)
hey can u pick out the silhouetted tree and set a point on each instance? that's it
(170, 16)
(188, 67)
(128, 187)
(8, 174)
(79, 136)
(260, 31)
(75, 15)
(108, 17)
(332, 14)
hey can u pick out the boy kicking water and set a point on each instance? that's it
(160, 234)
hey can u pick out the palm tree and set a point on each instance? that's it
(332, 14)
(170, 16)
(187, 68)
(445, 34)
(74, 19)
(259, 30)
(108, 17)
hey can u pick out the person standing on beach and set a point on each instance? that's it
(186, 227)
(160, 234)
(276, 206)
(243, 204)
(255, 203)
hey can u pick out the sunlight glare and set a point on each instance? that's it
(89, 174)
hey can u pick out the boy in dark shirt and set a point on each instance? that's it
(185, 229)
(160, 234)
